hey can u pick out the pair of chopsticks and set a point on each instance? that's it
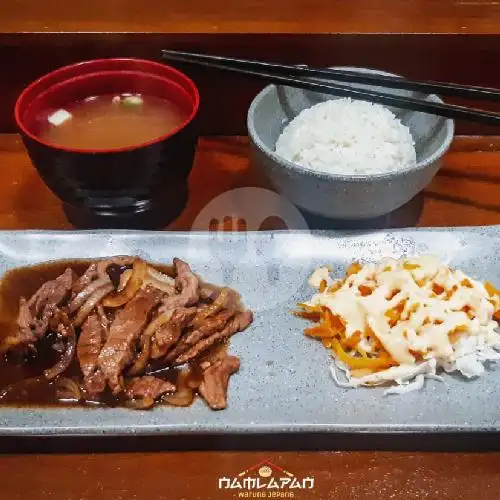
(300, 77)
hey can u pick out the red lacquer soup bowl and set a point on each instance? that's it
(142, 185)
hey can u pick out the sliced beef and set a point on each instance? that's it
(209, 292)
(186, 281)
(60, 324)
(148, 387)
(236, 324)
(126, 327)
(103, 319)
(209, 327)
(188, 284)
(121, 335)
(225, 299)
(214, 385)
(169, 333)
(35, 314)
(85, 279)
(66, 331)
(90, 342)
(168, 326)
(95, 383)
(26, 323)
(59, 321)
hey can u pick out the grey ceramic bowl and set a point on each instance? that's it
(341, 196)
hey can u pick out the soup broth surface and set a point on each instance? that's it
(112, 121)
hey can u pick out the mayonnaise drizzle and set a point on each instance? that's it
(433, 309)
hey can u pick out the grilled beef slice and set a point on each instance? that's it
(188, 284)
(148, 387)
(236, 324)
(169, 333)
(124, 330)
(213, 387)
(35, 314)
(90, 342)
(210, 326)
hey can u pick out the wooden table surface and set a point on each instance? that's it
(251, 16)
(464, 193)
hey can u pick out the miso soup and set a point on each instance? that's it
(111, 121)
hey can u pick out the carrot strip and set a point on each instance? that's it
(492, 291)
(311, 315)
(319, 331)
(360, 363)
(308, 307)
(353, 340)
(308, 312)
(335, 322)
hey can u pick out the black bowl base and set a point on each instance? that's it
(153, 217)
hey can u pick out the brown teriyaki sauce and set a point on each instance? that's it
(22, 382)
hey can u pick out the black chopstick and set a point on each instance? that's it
(445, 110)
(429, 87)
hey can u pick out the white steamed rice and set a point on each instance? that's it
(348, 137)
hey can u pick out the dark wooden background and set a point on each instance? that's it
(470, 59)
